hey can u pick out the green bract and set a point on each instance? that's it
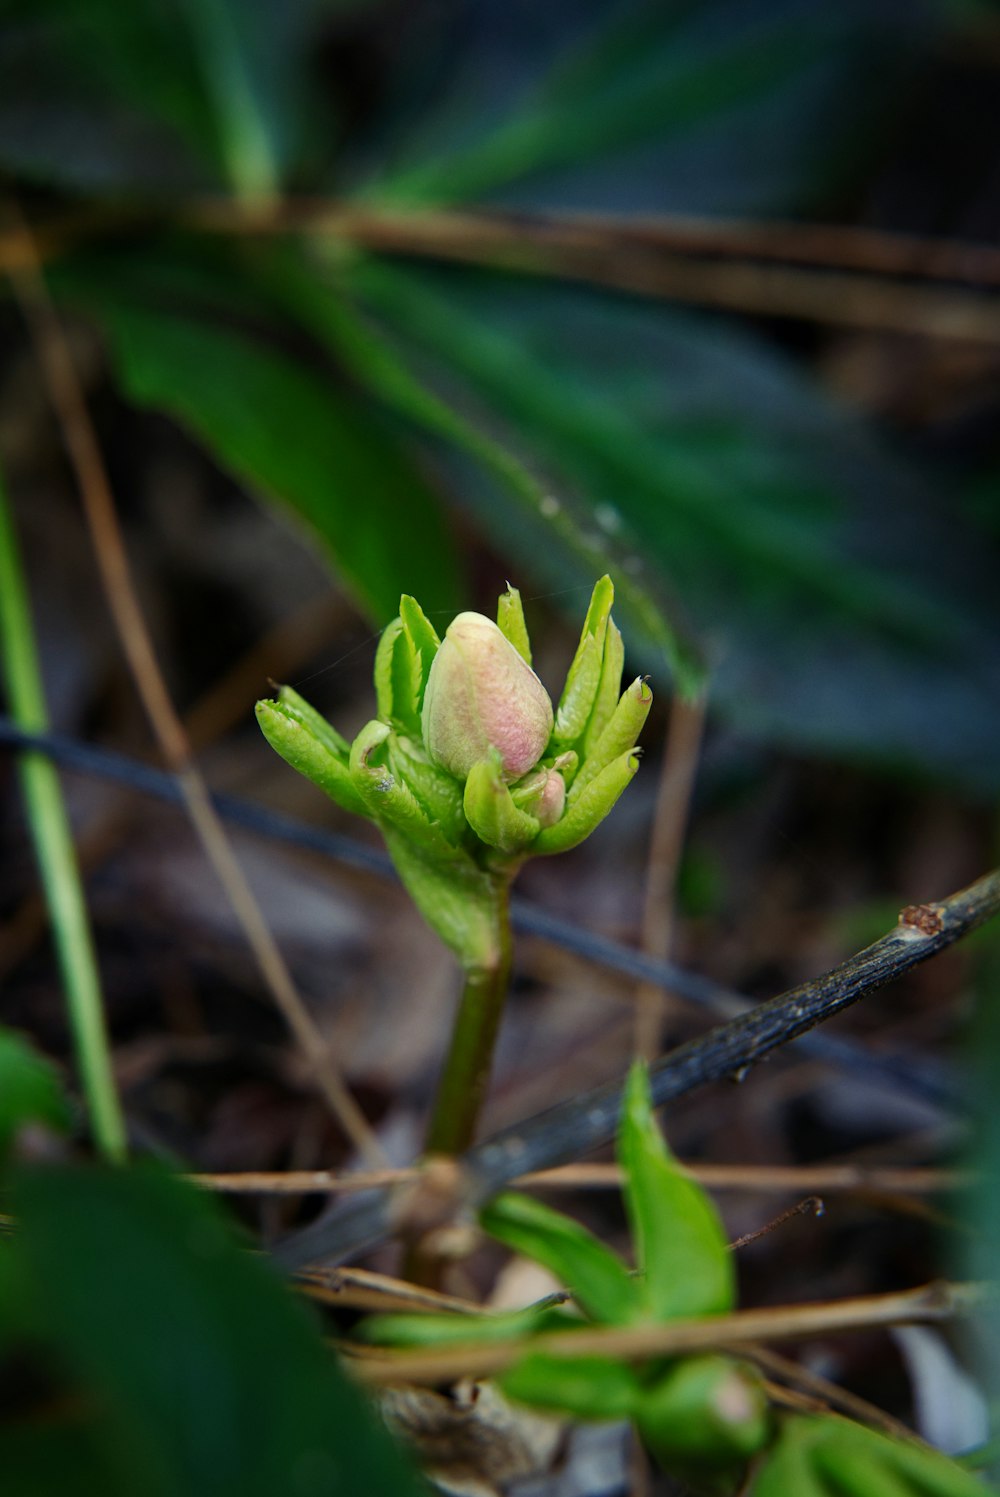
(466, 768)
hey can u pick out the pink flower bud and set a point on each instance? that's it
(481, 696)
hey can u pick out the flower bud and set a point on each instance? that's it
(481, 695)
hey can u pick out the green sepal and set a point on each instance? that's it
(438, 793)
(582, 1387)
(510, 622)
(597, 1279)
(491, 812)
(306, 714)
(618, 736)
(704, 1419)
(390, 801)
(459, 1330)
(297, 743)
(423, 640)
(458, 899)
(608, 687)
(589, 809)
(680, 1247)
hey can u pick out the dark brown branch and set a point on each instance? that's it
(574, 1127)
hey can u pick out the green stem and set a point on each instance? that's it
(54, 850)
(466, 1073)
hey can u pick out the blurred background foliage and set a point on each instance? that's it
(830, 573)
(702, 293)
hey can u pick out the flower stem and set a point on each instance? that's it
(466, 1073)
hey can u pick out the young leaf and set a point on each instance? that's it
(680, 1246)
(510, 621)
(292, 734)
(491, 812)
(454, 1330)
(835, 1457)
(597, 1279)
(583, 1387)
(423, 640)
(590, 807)
(706, 1415)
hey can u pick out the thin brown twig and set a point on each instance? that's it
(666, 845)
(929, 1303)
(831, 1394)
(361, 1289)
(827, 1178)
(99, 507)
(830, 274)
(811, 1203)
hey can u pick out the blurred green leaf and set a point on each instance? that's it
(584, 1387)
(279, 425)
(213, 1379)
(526, 520)
(227, 78)
(841, 604)
(698, 105)
(679, 1244)
(833, 1457)
(30, 1089)
(454, 1330)
(598, 1280)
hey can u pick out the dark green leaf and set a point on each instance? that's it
(843, 606)
(702, 106)
(226, 78)
(679, 1243)
(598, 1280)
(826, 1455)
(218, 1383)
(30, 1090)
(289, 433)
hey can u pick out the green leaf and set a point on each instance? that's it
(541, 526)
(227, 78)
(214, 1379)
(598, 1280)
(30, 1089)
(423, 639)
(455, 1330)
(589, 809)
(290, 434)
(293, 736)
(709, 106)
(846, 606)
(619, 734)
(510, 622)
(583, 1387)
(680, 1245)
(837, 1458)
(706, 1415)
(491, 812)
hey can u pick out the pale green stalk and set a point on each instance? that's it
(50, 832)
